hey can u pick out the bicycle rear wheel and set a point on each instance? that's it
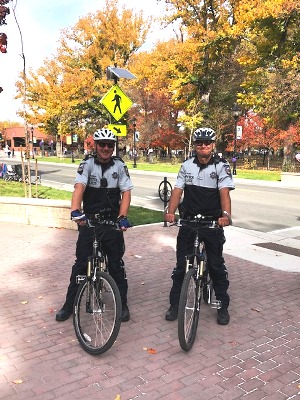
(97, 314)
(188, 310)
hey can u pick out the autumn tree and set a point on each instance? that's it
(270, 58)
(211, 76)
(245, 49)
(68, 88)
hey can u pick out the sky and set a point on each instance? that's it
(41, 23)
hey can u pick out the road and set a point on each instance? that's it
(260, 206)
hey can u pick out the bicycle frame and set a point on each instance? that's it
(97, 261)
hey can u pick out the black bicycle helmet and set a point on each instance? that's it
(104, 134)
(204, 134)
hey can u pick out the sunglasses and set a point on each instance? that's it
(203, 143)
(103, 144)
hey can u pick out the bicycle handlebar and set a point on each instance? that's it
(196, 223)
(91, 223)
(199, 221)
(105, 222)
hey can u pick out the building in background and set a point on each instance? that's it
(14, 138)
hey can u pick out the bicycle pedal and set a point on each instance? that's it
(80, 279)
(216, 304)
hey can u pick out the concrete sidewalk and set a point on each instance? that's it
(257, 356)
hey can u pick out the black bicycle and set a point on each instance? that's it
(165, 190)
(97, 306)
(196, 284)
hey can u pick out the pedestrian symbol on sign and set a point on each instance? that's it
(116, 102)
(117, 99)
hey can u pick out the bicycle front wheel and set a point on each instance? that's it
(97, 314)
(188, 310)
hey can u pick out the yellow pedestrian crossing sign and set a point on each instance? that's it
(118, 130)
(116, 102)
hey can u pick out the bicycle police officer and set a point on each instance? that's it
(206, 181)
(104, 187)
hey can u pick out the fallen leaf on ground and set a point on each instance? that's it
(24, 302)
(150, 350)
(40, 297)
(255, 309)
(17, 381)
(118, 397)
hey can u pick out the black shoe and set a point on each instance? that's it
(172, 313)
(223, 316)
(125, 313)
(63, 314)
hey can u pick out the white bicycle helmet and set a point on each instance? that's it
(104, 134)
(204, 134)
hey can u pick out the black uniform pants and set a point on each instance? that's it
(214, 240)
(114, 247)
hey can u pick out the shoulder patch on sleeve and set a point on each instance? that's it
(227, 169)
(80, 168)
(126, 171)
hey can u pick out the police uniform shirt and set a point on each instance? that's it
(104, 184)
(201, 184)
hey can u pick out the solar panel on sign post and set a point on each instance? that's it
(121, 73)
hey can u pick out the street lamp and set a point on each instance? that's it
(32, 131)
(236, 112)
(134, 141)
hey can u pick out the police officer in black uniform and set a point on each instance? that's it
(206, 181)
(104, 187)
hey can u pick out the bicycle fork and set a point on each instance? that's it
(94, 287)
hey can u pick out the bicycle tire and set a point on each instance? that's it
(97, 325)
(188, 310)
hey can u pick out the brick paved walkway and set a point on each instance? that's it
(257, 356)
